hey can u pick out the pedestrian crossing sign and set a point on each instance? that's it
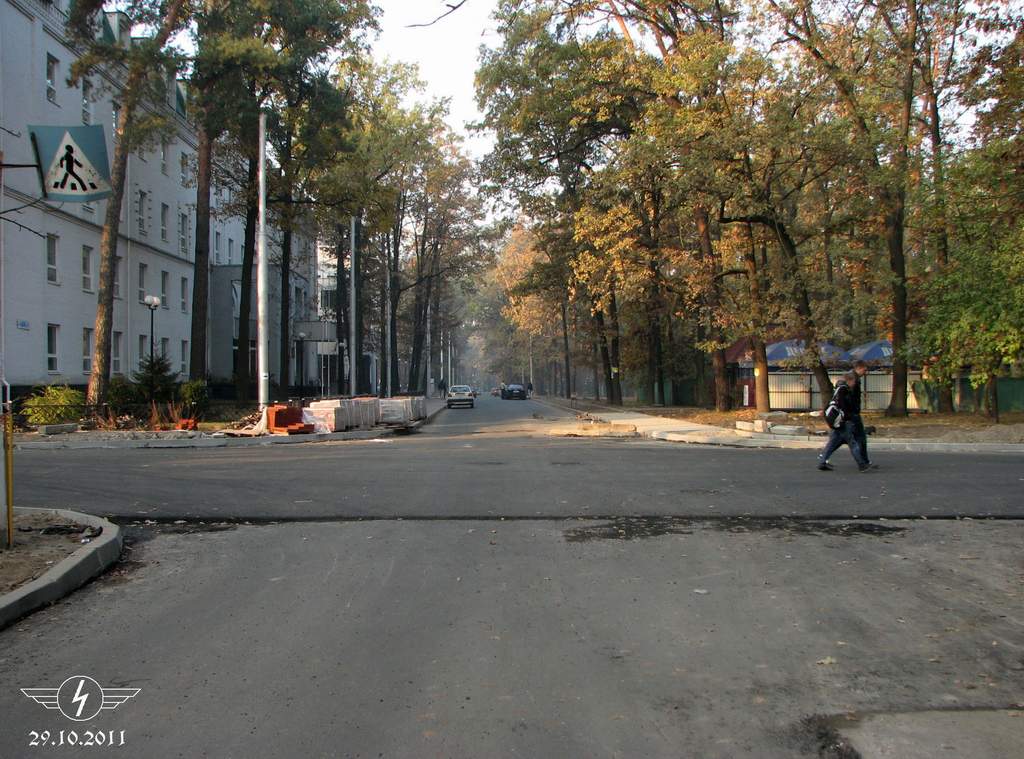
(72, 162)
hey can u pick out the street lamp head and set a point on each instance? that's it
(153, 301)
(302, 335)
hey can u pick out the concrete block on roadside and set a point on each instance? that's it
(57, 429)
(594, 429)
(760, 425)
(395, 410)
(745, 426)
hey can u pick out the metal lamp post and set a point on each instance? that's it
(153, 302)
(301, 365)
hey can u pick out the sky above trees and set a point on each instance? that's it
(446, 53)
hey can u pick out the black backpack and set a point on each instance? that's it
(834, 416)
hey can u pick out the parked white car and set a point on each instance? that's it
(460, 395)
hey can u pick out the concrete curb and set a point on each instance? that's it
(70, 574)
(218, 442)
(743, 439)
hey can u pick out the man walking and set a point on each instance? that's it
(843, 430)
(860, 369)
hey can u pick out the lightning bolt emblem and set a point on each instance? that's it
(80, 698)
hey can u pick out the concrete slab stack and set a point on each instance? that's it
(395, 411)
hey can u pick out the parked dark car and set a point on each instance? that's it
(515, 393)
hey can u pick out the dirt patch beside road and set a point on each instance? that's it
(41, 540)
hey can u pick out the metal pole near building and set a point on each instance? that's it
(353, 374)
(262, 277)
(387, 331)
(8, 407)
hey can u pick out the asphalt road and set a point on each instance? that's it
(495, 460)
(459, 632)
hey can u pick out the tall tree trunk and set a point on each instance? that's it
(613, 313)
(895, 219)
(565, 348)
(606, 360)
(396, 294)
(241, 359)
(761, 387)
(131, 92)
(286, 307)
(754, 275)
(941, 232)
(802, 299)
(362, 367)
(992, 397)
(201, 269)
(723, 400)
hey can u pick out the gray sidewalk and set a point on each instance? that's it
(683, 431)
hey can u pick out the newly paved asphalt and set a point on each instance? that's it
(496, 460)
(457, 633)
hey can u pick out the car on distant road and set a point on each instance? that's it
(515, 392)
(460, 395)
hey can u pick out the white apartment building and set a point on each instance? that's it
(51, 250)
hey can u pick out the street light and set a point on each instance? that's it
(301, 366)
(153, 303)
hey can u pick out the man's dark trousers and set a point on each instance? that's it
(845, 434)
(862, 436)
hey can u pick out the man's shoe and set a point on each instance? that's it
(824, 466)
(866, 468)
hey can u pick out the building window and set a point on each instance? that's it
(184, 358)
(184, 169)
(143, 200)
(183, 234)
(142, 283)
(163, 157)
(142, 348)
(86, 350)
(184, 295)
(115, 115)
(165, 211)
(231, 251)
(86, 101)
(117, 277)
(51, 260)
(299, 313)
(165, 278)
(87, 268)
(216, 248)
(115, 353)
(52, 341)
(165, 347)
(51, 78)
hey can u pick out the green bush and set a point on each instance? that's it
(123, 395)
(194, 397)
(55, 404)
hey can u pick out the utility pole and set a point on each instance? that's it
(387, 328)
(262, 279)
(353, 374)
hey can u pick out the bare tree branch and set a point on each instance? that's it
(452, 7)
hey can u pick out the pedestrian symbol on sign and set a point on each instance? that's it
(68, 163)
(72, 162)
